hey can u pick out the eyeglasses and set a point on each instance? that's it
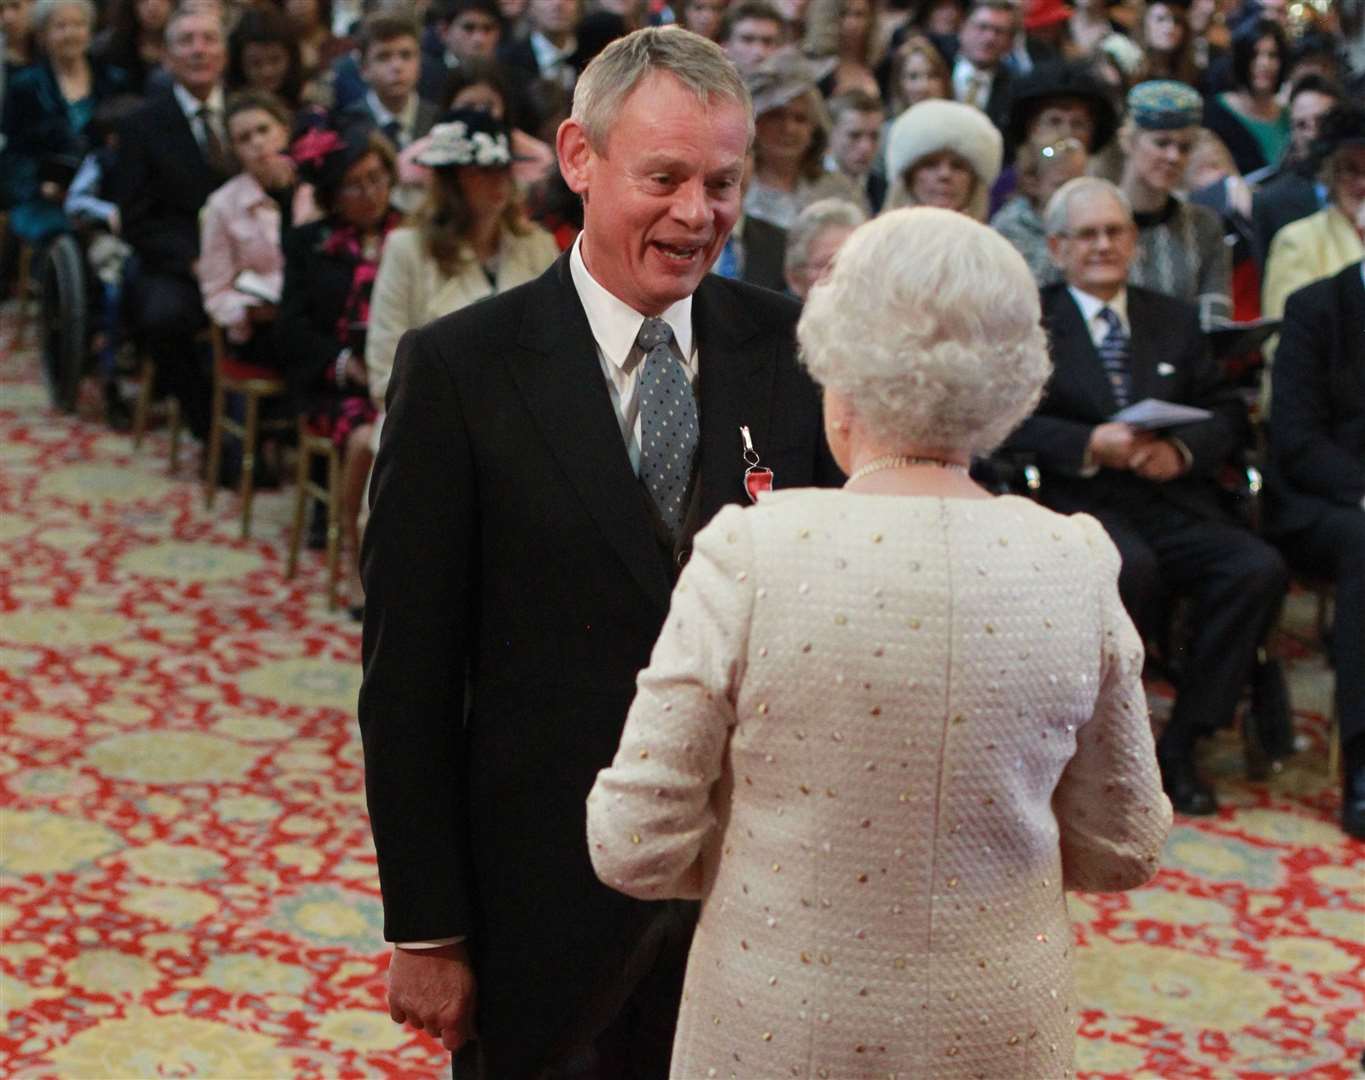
(363, 185)
(1061, 147)
(1091, 234)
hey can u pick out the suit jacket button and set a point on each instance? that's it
(682, 556)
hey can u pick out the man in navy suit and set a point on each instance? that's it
(1156, 493)
(527, 526)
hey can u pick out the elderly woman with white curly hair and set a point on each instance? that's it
(886, 727)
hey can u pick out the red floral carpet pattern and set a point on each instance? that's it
(187, 886)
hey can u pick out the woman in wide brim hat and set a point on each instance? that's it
(944, 154)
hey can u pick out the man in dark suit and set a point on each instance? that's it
(1156, 493)
(173, 153)
(547, 457)
(1316, 484)
(390, 63)
(979, 75)
(1289, 191)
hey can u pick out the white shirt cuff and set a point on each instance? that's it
(434, 943)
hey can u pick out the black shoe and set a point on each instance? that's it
(1353, 803)
(1188, 794)
(116, 412)
(1270, 715)
(317, 528)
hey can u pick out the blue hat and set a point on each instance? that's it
(1165, 105)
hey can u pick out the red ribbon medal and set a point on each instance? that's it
(758, 479)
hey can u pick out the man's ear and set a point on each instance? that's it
(575, 155)
(1054, 249)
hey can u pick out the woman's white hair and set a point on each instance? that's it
(611, 77)
(45, 9)
(812, 221)
(930, 327)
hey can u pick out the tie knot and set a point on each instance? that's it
(653, 333)
(1111, 318)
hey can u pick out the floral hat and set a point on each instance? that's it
(323, 152)
(469, 137)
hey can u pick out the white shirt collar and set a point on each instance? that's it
(614, 323)
(548, 54)
(1091, 306)
(190, 105)
(406, 118)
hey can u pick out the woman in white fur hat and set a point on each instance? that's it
(944, 154)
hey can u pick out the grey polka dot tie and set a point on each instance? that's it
(668, 424)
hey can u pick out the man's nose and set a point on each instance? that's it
(689, 204)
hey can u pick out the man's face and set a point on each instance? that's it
(1062, 118)
(1305, 119)
(195, 52)
(1098, 245)
(704, 17)
(553, 18)
(472, 34)
(853, 141)
(986, 36)
(660, 202)
(752, 41)
(14, 18)
(1346, 169)
(391, 68)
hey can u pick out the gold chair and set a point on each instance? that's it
(255, 384)
(315, 446)
(142, 410)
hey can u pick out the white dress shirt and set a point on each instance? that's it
(406, 117)
(1091, 306)
(553, 61)
(190, 106)
(971, 84)
(615, 326)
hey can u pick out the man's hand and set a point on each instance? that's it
(279, 172)
(1113, 445)
(432, 990)
(1158, 460)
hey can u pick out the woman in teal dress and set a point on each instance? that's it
(47, 109)
(1249, 118)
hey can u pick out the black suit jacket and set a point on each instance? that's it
(1286, 199)
(765, 254)
(1170, 361)
(161, 182)
(998, 104)
(514, 588)
(1317, 417)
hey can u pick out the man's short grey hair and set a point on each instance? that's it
(812, 221)
(45, 9)
(699, 64)
(198, 7)
(930, 327)
(1057, 215)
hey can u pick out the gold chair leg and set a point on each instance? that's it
(142, 410)
(300, 505)
(248, 478)
(333, 526)
(215, 455)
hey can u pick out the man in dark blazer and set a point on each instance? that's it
(1316, 484)
(1156, 493)
(173, 153)
(526, 530)
(978, 73)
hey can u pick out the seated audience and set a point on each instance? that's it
(944, 154)
(937, 18)
(1088, 28)
(854, 139)
(263, 55)
(751, 32)
(47, 108)
(838, 692)
(16, 31)
(1319, 245)
(846, 32)
(470, 29)
(1290, 191)
(1180, 246)
(390, 60)
(791, 131)
(980, 76)
(793, 14)
(173, 154)
(134, 40)
(755, 248)
(319, 46)
(1041, 168)
(346, 78)
(1250, 118)
(550, 49)
(814, 239)
(1044, 35)
(329, 271)
(471, 239)
(241, 265)
(1317, 485)
(1212, 180)
(703, 17)
(1156, 493)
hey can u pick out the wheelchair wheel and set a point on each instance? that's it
(65, 326)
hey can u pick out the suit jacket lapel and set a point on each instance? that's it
(557, 371)
(1076, 350)
(735, 383)
(1143, 357)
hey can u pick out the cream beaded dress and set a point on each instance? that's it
(878, 737)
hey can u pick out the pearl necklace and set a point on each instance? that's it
(901, 461)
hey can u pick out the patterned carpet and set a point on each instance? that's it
(187, 886)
